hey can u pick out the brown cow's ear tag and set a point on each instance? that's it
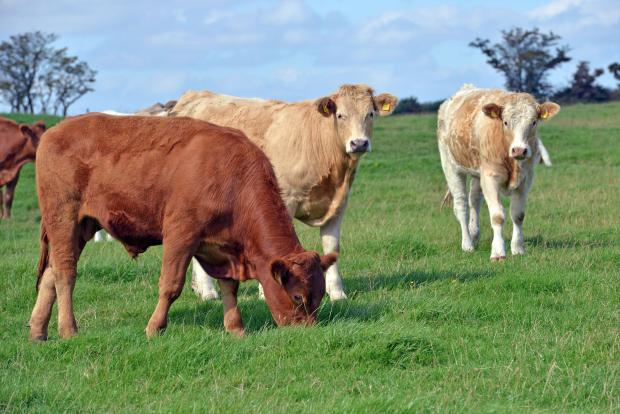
(544, 114)
(325, 108)
(386, 107)
(494, 115)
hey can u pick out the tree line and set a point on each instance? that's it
(36, 77)
(525, 58)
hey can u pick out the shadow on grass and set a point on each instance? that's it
(257, 317)
(403, 280)
(539, 241)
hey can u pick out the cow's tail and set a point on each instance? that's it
(544, 154)
(43, 256)
(447, 200)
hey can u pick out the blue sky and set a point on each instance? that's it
(148, 51)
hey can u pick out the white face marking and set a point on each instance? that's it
(521, 120)
(354, 121)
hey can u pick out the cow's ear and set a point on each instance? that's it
(548, 110)
(41, 124)
(279, 271)
(493, 111)
(328, 260)
(326, 106)
(385, 103)
(27, 131)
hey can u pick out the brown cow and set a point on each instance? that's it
(315, 147)
(491, 135)
(201, 190)
(18, 145)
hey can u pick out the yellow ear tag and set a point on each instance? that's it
(385, 107)
(325, 109)
(494, 115)
(544, 114)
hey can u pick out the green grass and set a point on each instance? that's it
(427, 327)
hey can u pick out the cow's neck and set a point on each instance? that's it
(269, 234)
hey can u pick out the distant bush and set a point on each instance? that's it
(583, 87)
(412, 106)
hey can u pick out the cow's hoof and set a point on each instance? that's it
(206, 295)
(467, 247)
(337, 295)
(38, 337)
(498, 258)
(238, 332)
(153, 332)
(516, 251)
(67, 330)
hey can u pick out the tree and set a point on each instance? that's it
(72, 81)
(22, 59)
(33, 73)
(525, 57)
(614, 69)
(583, 87)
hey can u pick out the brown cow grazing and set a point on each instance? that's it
(18, 145)
(492, 136)
(201, 190)
(315, 147)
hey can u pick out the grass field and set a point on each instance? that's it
(426, 328)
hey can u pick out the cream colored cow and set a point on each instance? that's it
(315, 147)
(491, 135)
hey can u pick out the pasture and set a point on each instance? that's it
(426, 328)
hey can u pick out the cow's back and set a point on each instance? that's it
(463, 127)
(251, 115)
(132, 173)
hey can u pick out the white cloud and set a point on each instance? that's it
(554, 8)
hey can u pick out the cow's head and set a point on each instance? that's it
(353, 109)
(33, 132)
(299, 287)
(520, 116)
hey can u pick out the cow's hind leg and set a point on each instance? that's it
(457, 186)
(232, 315)
(202, 283)
(475, 198)
(66, 241)
(66, 244)
(175, 261)
(330, 237)
(42, 310)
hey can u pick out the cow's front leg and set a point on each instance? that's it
(202, 283)
(330, 238)
(8, 197)
(232, 315)
(490, 189)
(174, 265)
(517, 214)
(475, 198)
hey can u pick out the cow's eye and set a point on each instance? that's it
(371, 114)
(505, 123)
(534, 123)
(298, 298)
(339, 116)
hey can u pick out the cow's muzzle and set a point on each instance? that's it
(358, 145)
(519, 153)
